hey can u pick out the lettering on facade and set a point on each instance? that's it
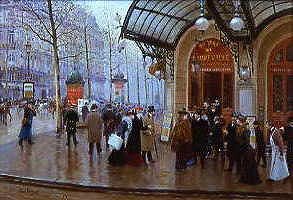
(213, 56)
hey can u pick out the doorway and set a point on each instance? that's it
(280, 83)
(212, 86)
(211, 74)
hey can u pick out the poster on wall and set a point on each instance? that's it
(166, 127)
(28, 90)
(74, 92)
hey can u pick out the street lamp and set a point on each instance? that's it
(28, 48)
(202, 24)
(236, 23)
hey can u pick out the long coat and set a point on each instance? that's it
(95, 127)
(148, 133)
(26, 128)
(134, 141)
(201, 136)
(181, 136)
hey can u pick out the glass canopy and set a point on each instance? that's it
(157, 24)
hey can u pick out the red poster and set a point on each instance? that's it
(74, 92)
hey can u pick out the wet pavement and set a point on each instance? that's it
(41, 124)
(50, 159)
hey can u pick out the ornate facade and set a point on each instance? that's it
(263, 46)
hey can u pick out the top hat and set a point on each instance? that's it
(151, 109)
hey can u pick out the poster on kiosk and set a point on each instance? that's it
(28, 90)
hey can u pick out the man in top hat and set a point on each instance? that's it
(147, 135)
(260, 143)
(241, 139)
(94, 124)
(181, 140)
(70, 120)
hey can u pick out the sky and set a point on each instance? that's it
(105, 12)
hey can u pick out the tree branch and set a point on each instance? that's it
(38, 34)
(32, 11)
(70, 56)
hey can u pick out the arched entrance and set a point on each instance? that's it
(280, 82)
(211, 68)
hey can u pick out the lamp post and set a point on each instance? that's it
(122, 46)
(28, 48)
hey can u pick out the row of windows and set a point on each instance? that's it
(10, 38)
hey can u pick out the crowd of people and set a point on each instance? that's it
(134, 128)
(12, 110)
(206, 132)
(213, 131)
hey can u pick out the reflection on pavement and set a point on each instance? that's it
(10, 132)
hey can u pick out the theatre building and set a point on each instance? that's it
(240, 53)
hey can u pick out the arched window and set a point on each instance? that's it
(280, 80)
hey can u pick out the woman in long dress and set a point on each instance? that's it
(26, 127)
(249, 172)
(277, 169)
(181, 141)
(118, 156)
(133, 147)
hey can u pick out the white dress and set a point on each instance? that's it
(278, 169)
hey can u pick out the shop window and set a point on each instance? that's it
(289, 50)
(277, 93)
(290, 93)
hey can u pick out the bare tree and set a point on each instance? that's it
(88, 30)
(52, 22)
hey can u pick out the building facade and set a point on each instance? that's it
(16, 64)
(249, 70)
(24, 57)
